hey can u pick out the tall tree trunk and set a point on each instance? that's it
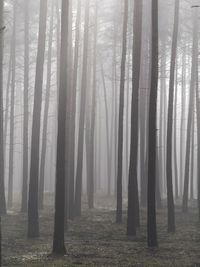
(33, 220)
(107, 132)
(79, 170)
(26, 108)
(93, 119)
(192, 159)
(175, 135)
(73, 113)
(2, 185)
(182, 128)
(12, 112)
(151, 213)
(133, 202)
(191, 111)
(170, 197)
(46, 112)
(198, 140)
(121, 116)
(59, 218)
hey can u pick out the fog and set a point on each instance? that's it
(99, 133)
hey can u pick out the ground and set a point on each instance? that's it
(96, 240)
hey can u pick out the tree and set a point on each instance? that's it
(33, 220)
(191, 111)
(2, 185)
(151, 212)
(79, 170)
(58, 237)
(170, 197)
(25, 124)
(2, 190)
(133, 201)
(73, 112)
(12, 111)
(46, 112)
(121, 115)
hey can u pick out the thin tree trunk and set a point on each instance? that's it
(33, 219)
(73, 113)
(151, 213)
(121, 116)
(79, 170)
(12, 112)
(24, 200)
(190, 112)
(170, 197)
(46, 112)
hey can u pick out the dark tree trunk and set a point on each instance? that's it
(191, 111)
(59, 224)
(33, 220)
(79, 170)
(121, 116)
(133, 201)
(24, 200)
(46, 112)
(151, 213)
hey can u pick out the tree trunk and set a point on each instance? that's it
(79, 170)
(33, 220)
(151, 213)
(59, 218)
(121, 116)
(133, 201)
(191, 111)
(46, 112)
(26, 108)
(73, 113)
(12, 112)
(2, 185)
(170, 197)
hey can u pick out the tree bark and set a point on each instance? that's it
(59, 218)
(33, 220)
(151, 212)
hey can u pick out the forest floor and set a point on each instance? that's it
(96, 240)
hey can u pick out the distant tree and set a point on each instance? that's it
(93, 118)
(33, 220)
(12, 110)
(133, 201)
(191, 110)
(121, 116)
(79, 170)
(73, 111)
(170, 197)
(46, 113)
(24, 201)
(151, 213)
(58, 237)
